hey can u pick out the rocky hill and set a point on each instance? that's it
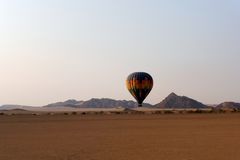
(175, 101)
(68, 103)
(10, 107)
(97, 103)
(228, 105)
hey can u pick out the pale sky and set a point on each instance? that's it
(54, 50)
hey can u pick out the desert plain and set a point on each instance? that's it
(120, 137)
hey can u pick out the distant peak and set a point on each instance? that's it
(172, 95)
(70, 101)
(175, 101)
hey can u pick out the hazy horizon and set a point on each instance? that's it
(53, 50)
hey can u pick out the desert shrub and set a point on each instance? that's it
(157, 112)
(234, 110)
(215, 110)
(66, 113)
(117, 112)
(180, 112)
(211, 111)
(199, 111)
(191, 111)
(221, 111)
(218, 111)
(74, 113)
(83, 113)
(101, 112)
(1, 113)
(139, 112)
(168, 112)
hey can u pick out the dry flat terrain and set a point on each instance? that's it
(120, 137)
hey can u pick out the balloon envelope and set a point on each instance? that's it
(139, 85)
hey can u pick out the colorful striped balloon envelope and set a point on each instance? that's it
(139, 85)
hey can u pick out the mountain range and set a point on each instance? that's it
(97, 103)
(171, 101)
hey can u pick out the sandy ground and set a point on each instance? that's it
(120, 137)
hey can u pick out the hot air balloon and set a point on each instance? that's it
(139, 85)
